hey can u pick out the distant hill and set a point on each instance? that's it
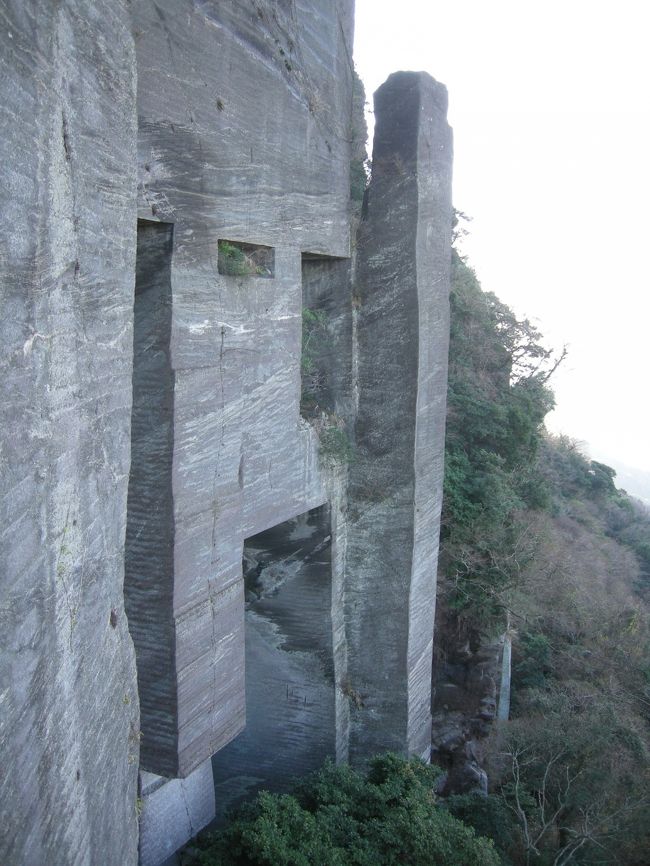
(636, 482)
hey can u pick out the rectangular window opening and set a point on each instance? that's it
(237, 259)
(290, 688)
(325, 364)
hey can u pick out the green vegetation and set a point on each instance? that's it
(233, 261)
(315, 342)
(335, 445)
(537, 539)
(498, 397)
(242, 260)
(337, 817)
(359, 162)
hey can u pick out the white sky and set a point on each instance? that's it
(550, 105)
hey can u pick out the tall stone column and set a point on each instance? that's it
(402, 292)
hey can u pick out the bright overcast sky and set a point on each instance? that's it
(550, 105)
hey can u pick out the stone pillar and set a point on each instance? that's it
(186, 626)
(402, 290)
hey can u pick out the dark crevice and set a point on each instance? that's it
(148, 579)
(290, 689)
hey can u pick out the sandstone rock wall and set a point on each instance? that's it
(244, 119)
(402, 285)
(152, 408)
(69, 719)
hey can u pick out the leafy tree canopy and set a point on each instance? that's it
(538, 540)
(338, 817)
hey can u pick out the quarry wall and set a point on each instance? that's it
(244, 120)
(70, 716)
(179, 199)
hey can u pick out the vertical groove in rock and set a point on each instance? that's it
(149, 548)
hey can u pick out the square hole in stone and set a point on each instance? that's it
(238, 259)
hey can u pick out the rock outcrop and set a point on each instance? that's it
(470, 687)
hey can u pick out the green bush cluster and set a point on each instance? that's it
(497, 400)
(489, 817)
(233, 261)
(338, 817)
(315, 343)
(537, 539)
(534, 663)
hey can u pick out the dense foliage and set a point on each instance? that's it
(497, 400)
(538, 541)
(337, 817)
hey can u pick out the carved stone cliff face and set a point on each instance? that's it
(466, 690)
(157, 323)
(243, 150)
(69, 724)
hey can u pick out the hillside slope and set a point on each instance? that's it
(539, 548)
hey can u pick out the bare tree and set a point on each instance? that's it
(548, 817)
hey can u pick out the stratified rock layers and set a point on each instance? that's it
(149, 547)
(151, 410)
(244, 117)
(69, 719)
(395, 496)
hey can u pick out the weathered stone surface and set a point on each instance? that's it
(244, 135)
(467, 685)
(402, 286)
(173, 811)
(69, 716)
(244, 116)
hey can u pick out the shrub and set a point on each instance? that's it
(233, 260)
(315, 341)
(337, 817)
(489, 816)
(534, 666)
(335, 445)
(245, 260)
